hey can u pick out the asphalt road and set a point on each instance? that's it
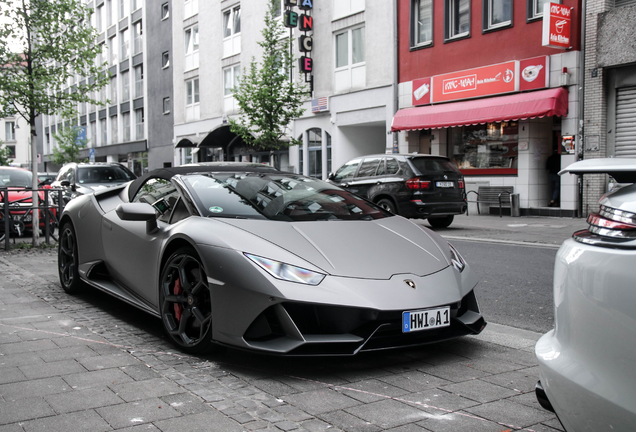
(515, 287)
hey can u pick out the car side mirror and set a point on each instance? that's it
(331, 176)
(65, 183)
(138, 212)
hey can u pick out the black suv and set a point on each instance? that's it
(81, 178)
(413, 186)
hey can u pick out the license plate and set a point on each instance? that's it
(425, 319)
(445, 184)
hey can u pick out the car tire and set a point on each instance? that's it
(387, 205)
(185, 302)
(68, 260)
(441, 222)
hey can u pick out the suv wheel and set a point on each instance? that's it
(441, 222)
(387, 205)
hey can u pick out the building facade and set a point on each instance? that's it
(477, 84)
(15, 137)
(610, 88)
(352, 74)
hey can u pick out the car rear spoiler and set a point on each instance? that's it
(623, 170)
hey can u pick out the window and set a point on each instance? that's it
(497, 14)
(139, 81)
(457, 19)
(93, 139)
(342, 8)
(190, 8)
(113, 90)
(421, 22)
(535, 8)
(110, 16)
(278, 8)
(104, 135)
(9, 131)
(347, 171)
(125, 45)
(231, 31)
(136, 4)
(166, 105)
(123, 8)
(99, 18)
(192, 47)
(11, 149)
(112, 49)
(369, 166)
(165, 11)
(137, 38)
(492, 146)
(113, 130)
(192, 91)
(350, 56)
(125, 119)
(139, 124)
(165, 59)
(231, 76)
(125, 86)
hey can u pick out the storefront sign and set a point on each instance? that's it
(472, 83)
(305, 22)
(534, 73)
(556, 26)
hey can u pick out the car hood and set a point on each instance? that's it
(18, 194)
(362, 249)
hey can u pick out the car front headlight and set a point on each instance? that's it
(456, 259)
(287, 272)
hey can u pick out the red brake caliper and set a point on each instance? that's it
(177, 307)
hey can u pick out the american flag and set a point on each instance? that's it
(319, 105)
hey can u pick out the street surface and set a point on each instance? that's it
(92, 363)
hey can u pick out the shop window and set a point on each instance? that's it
(535, 8)
(457, 18)
(497, 14)
(485, 149)
(421, 23)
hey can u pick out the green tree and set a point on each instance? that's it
(4, 155)
(44, 45)
(69, 145)
(268, 100)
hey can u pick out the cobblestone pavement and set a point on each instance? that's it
(92, 363)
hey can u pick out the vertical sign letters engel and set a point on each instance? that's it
(305, 23)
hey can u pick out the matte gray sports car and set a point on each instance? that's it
(269, 261)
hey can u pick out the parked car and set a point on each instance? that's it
(267, 261)
(81, 178)
(18, 182)
(587, 374)
(413, 186)
(46, 178)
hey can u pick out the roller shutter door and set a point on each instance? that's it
(625, 144)
(620, 3)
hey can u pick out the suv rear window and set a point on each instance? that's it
(424, 165)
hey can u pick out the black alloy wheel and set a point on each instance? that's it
(441, 221)
(67, 260)
(387, 205)
(186, 306)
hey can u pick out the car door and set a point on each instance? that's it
(387, 180)
(132, 254)
(345, 173)
(365, 177)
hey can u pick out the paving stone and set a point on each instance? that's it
(510, 413)
(136, 390)
(348, 422)
(480, 391)
(59, 368)
(83, 399)
(414, 380)
(75, 352)
(203, 422)
(11, 374)
(27, 347)
(412, 427)
(97, 378)
(439, 401)
(24, 409)
(186, 403)
(320, 401)
(138, 412)
(523, 380)
(108, 361)
(455, 372)
(371, 390)
(33, 388)
(460, 421)
(140, 372)
(388, 413)
(88, 421)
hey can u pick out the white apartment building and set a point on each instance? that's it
(15, 136)
(353, 70)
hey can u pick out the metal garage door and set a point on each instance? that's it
(625, 144)
(619, 3)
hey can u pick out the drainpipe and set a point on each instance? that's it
(583, 77)
(396, 93)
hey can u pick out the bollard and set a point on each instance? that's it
(514, 205)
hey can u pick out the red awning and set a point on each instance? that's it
(519, 106)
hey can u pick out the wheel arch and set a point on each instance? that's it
(174, 245)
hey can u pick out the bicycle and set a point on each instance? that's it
(20, 216)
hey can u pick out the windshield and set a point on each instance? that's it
(103, 174)
(15, 178)
(284, 197)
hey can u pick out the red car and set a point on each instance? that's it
(19, 181)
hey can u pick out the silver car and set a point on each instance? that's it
(267, 261)
(587, 375)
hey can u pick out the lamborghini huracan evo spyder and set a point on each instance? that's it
(264, 260)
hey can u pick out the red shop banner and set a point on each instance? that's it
(556, 26)
(534, 73)
(472, 83)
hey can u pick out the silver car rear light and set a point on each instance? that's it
(609, 228)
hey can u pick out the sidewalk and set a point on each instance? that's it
(90, 363)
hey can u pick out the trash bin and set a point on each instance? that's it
(514, 205)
